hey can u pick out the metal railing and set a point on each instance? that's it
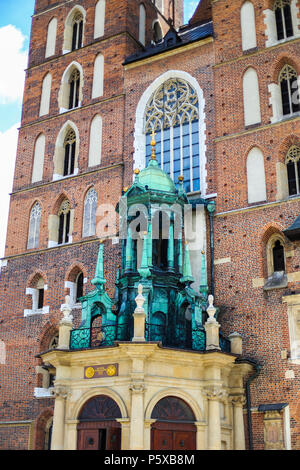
(178, 337)
(85, 338)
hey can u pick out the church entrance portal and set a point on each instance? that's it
(174, 428)
(98, 428)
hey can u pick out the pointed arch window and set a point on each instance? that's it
(289, 90)
(77, 33)
(173, 113)
(74, 84)
(292, 162)
(79, 287)
(89, 216)
(64, 215)
(70, 151)
(283, 17)
(34, 226)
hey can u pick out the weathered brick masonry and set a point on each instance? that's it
(241, 231)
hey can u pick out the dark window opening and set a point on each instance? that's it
(40, 298)
(77, 33)
(278, 257)
(79, 292)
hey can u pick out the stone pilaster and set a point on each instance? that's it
(58, 433)
(214, 394)
(137, 416)
(238, 402)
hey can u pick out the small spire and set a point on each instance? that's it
(99, 281)
(153, 144)
(187, 270)
(203, 285)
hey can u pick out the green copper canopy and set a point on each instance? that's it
(155, 178)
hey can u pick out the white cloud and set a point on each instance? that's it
(8, 149)
(14, 62)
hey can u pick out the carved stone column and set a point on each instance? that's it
(137, 416)
(214, 395)
(238, 402)
(125, 423)
(58, 433)
(147, 433)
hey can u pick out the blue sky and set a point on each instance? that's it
(15, 24)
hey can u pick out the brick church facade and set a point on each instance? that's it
(222, 95)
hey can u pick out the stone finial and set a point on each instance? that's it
(211, 310)
(236, 343)
(66, 310)
(139, 317)
(140, 300)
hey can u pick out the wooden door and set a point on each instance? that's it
(162, 440)
(88, 439)
(113, 440)
(184, 440)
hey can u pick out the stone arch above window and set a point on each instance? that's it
(98, 78)
(74, 29)
(34, 226)
(61, 224)
(95, 148)
(99, 19)
(292, 161)
(248, 26)
(148, 114)
(256, 181)
(142, 24)
(70, 94)
(288, 82)
(51, 38)
(276, 263)
(75, 283)
(46, 95)
(251, 97)
(36, 296)
(281, 21)
(66, 152)
(89, 214)
(173, 113)
(38, 159)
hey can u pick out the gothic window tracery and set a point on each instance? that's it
(74, 84)
(292, 162)
(70, 150)
(34, 226)
(89, 216)
(283, 16)
(289, 90)
(173, 113)
(77, 31)
(64, 215)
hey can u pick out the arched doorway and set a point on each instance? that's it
(174, 428)
(98, 428)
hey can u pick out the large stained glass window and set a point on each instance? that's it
(173, 113)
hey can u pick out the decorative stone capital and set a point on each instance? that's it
(215, 392)
(137, 387)
(238, 400)
(61, 391)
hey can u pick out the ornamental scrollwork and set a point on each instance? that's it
(215, 392)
